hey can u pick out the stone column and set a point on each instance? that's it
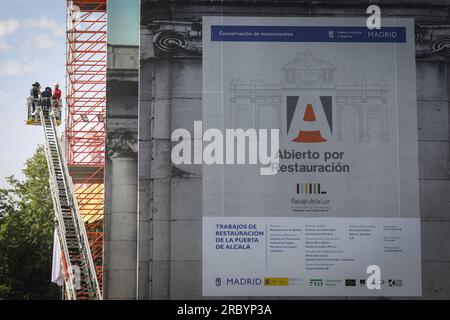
(121, 223)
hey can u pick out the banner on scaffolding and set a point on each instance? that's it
(336, 213)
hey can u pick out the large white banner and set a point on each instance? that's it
(344, 194)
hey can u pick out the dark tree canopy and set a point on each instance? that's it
(26, 234)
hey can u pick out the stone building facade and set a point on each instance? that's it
(168, 232)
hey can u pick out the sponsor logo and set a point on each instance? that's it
(245, 282)
(310, 188)
(381, 282)
(395, 283)
(315, 282)
(375, 282)
(276, 282)
(218, 282)
(350, 282)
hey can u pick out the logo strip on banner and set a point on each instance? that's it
(307, 34)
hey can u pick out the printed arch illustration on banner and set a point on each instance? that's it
(310, 79)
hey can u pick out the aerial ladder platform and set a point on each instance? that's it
(78, 267)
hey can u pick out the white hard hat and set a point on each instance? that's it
(57, 84)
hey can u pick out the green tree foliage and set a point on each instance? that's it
(26, 234)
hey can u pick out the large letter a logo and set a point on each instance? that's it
(306, 136)
(309, 128)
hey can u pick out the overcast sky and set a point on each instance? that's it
(32, 48)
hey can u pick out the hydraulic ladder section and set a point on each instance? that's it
(79, 271)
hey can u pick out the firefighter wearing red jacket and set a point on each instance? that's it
(56, 98)
(57, 92)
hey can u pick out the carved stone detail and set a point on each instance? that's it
(433, 42)
(122, 143)
(173, 38)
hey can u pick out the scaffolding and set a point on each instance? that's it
(85, 122)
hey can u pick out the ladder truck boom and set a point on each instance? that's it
(78, 266)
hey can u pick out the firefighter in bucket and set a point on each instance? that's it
(48, 101)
